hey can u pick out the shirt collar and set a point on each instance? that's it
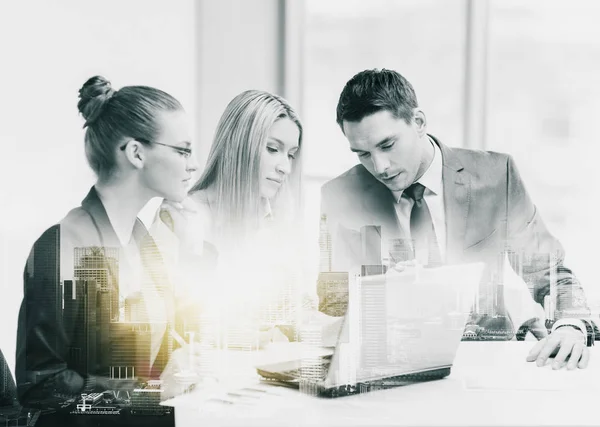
(432, 178)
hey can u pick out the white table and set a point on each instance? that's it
(491, 384)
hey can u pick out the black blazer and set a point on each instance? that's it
(44, 366)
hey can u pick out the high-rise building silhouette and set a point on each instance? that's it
(127, 345)
(8, 391)
(372, 262)
(400, 250)
(103, 321)
(516, 261)
(370, 239)
(134, 308)
(102, 265)
(241, 335)
(311, 366)
(549, 308)
(43, 276)
(279, 307)
(325, 249)
(373, 322)
(80, 315)
(146, 401)
(335, 285)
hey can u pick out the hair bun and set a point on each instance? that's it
(93, 96)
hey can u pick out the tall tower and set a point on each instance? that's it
(370, 240)
(311, 367)
(102, 265)
(80, 315)
(371, 261)
(335, 287)
(130, 346)
(373, 322)
(8, 392)
(325, 250)
(400, 250)
(42, 276)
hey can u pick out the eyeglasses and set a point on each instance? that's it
(185, 152)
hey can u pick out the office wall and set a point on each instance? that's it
(47, 51)
(239, 45)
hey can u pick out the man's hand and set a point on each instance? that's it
(567, 343)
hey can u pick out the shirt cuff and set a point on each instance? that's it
(576, 323)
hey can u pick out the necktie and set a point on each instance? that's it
(421, 228)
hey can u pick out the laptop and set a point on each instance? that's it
(399, 329)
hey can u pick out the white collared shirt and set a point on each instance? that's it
(434, 197)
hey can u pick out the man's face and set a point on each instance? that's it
(390, 149)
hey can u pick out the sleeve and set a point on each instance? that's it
(542, 254)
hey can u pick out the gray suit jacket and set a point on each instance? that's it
(487, 210)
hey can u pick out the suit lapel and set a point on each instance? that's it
(457, 191)
(93, 205)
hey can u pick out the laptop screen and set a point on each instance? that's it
(400, 323)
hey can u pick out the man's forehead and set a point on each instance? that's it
(367, 138)
(374, 127)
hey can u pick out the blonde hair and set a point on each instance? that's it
(233, 167)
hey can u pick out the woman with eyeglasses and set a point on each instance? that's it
(98, 305)
(244, 213)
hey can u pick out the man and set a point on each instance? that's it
(451, 206)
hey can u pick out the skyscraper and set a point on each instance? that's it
(102, 265)
(373, 322)
(8, 393)
(400, 250)
(311, 367)
(43, 275)
(80, 315)
(325, 255)
(130, 348)
(335, 285)
(370, 239)
(146, 401)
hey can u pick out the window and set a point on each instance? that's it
(543, 100)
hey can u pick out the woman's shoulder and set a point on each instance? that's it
(78, 226)
(201, 205)
(203, 198)
(76, 229)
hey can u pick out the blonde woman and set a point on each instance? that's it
(242, 215)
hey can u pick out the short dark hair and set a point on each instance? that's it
(111, 116)
(374, 90)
